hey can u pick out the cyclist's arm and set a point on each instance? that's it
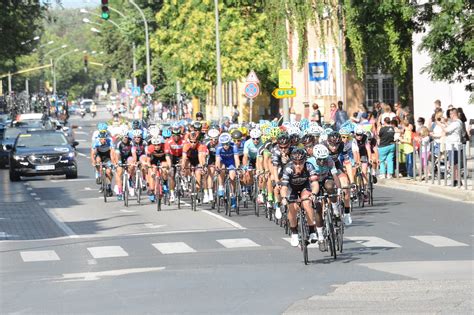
(285, 180)
(245, 160)
(202, 156)
(134, 154)
(218, 157)
(236, 156)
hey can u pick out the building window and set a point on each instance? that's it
(379, 87)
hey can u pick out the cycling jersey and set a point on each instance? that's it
(323, 171)
(279, 158)
(156, 156)
(103, 149)
(334, 154)
(139, 148)
(364, 148)
(193, 153)
(265, 149)
(227, 156)
(241, 147)
(124, 150)
(251, 149)
(296, 183)
(211, 159)
(174, 148)
(347, 154)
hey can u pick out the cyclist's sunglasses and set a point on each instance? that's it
(255, 139)
(344, 137)
(193, 142)
(320, 161)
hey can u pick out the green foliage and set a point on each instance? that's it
(185, 43)
(449, 40)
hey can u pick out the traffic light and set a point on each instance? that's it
(105, 10)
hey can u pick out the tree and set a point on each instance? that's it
(185, 43)
(449, 39)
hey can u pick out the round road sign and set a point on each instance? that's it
(252, 90)
(149, 89)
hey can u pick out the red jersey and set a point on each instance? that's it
(191, 153)
(174, 148)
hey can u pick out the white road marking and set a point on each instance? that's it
(371, 241)
(39, 255)
(42, 203)
(237, 243)
(81, 140)
(127, 211)
(91, 276)
(394, 223)
(37, 198)
(233, 223)
(26, 184)
(33, 194)
(153, 226)
(87, 188)
(174, 248)
(29, 188)
(71, 180)
(81, 133)
(438, 241)
(107, 251)
(81, 154)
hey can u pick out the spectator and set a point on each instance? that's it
(377, 110)
(438, 133)
(461, 115)
(386, 112)
(398, 130)
(386, 149)
(425, 150)
(449, 109)
(453, 131)
(438, 108)
(420, 123)
(316, 114)
(406, 142)
(399, 112)
(332, 114)
(341, 115)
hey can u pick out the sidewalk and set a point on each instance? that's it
(441, 191)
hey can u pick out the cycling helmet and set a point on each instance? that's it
(304, 124)
(244, 130)
(293, 131)
(255, 133)
(157, 140)
(123, 133)
(265, 138)
(320, 152)
(224, 138)
(294, 139)
(283, 139)
(154, 132)
(103, 135)
(236, 134)
(359, 130)
(199, 114)
(197, 125)
(102, 126)
(296, 124)
(136, 124)
(334, 138)
(314, 130)
(344, 131)
(194, 136)
(275, 132)
(298, 155)
(137, 133)
(308, 139)
(166, 133)
(213, 133)
(369, 135)
(176, 130)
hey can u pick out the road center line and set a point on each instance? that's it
(90, 276)
(233, 223)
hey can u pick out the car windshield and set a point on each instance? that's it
(30, 123)
(11, 133)
(39, 139)
(87, 103)
(3, 117)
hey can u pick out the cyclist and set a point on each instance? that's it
(211, 144)
(236, 136)
(174, 152)
(226, 124)
(227, 156)
(251, 148)
(336, 147)
(101, 127)
(365, 153)
(122, 155)
(280, 157)
(101, 153)
(156, 158)
(199, 116)
(349, 156)
(136, 125)
(138, 154)
(194, 156)
(299, 180)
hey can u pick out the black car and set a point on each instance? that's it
(7, 139)
(45, 152)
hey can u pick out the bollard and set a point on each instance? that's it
(451, 164)
(459, 165)
(432, 161)
(466, 169)
(397, 162)
(445, 166)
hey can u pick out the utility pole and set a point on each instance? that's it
(147, 43)
(178, 99)
(218, 62)
(134, 65)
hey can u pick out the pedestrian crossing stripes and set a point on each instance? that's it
(438, 241)
(39, 255)
(170, 248)
(174, 248)
(237, 243)
(107, 251)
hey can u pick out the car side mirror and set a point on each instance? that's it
(8, 147)
(75, 144)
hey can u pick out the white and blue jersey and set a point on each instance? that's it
(227, 156)
(103, 149)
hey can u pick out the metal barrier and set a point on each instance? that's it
(435, 160)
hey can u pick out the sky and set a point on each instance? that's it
(68, 4)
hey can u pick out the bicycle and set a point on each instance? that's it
(360, 187)
(329, 232)
(258, 191)
(303, 229)
(104, 181)
(370, 188)
(125, 184)
(158, 189)
(178, 184)
(138, 182)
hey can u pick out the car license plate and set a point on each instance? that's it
(45, 167)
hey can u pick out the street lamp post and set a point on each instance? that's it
(218, 62)
(147, 43)
(54, 67)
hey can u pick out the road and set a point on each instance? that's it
(62, 250)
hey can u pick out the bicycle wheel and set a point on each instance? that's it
(158, 192)
(125, 189)
(104, 184)
(227, 198)
(138, 185)
(340, 236)
(193, 194)
(330, 232)
(303, 236)
(178, 190)
(371, 190)
(237, 194)
(255, 201)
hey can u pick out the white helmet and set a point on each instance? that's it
(213, 133)
(255, 133)
(359, 130)
(314, 130)
(154, 132)
(296, 124)
(157, 140)
(320, 152)
(123, 133)
(137, 133)
(294, 130)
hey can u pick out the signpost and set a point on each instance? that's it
(136, 91)
(284, 79)
(284, 93)
(252, 90)
(318, 71)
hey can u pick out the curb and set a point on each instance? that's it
(455, 194)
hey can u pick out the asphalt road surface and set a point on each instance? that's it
(63, 250)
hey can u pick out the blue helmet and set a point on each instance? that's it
(136, 124)
(166, 133)
(225, 138)
(102, 126)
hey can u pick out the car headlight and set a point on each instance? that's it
(18, 158)
(69, 156)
